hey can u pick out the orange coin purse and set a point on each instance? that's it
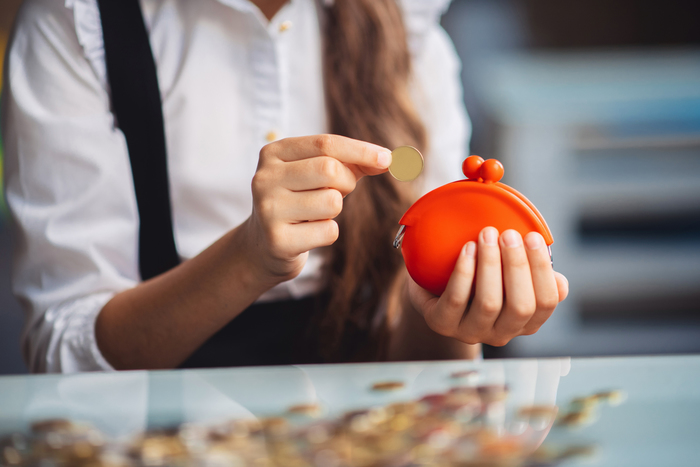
(434, 230)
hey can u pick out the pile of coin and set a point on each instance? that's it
(584, 411)
(451, 428)
(60, 442)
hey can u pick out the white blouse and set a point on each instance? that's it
(231, 81)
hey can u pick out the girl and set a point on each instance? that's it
(277, 116)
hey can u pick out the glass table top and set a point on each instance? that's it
(647, 412)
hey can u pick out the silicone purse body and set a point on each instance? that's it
(434, 230)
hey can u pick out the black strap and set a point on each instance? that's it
(136, 103)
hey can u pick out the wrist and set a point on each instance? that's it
(248, 252)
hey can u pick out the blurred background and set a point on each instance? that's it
(594, 108)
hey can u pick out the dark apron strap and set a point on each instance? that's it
(136, 104)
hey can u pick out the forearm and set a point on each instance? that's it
(412, 339)
(159, 323)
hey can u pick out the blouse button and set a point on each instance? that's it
(271, 136)
(285, 25)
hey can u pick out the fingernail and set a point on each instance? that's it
(540, 424)
(490, 236)
(512, 239)
(469, 249)
(384, 158)
(517, 428)
(534, 241)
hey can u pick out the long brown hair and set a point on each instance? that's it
(367, 72)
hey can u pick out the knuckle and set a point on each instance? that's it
(324, 143)
(264, 153)
(469, 338)
(518, 262)
(489, 256)
(266, 206)
(329, 168)
(268, 151)
(522, 310)
(258, 183)
(548, 303)
(530, 330)
(264, 180)
(464, 268)
(453, 303)
(490, 306)
(441, 329)
(437, 325)
(498, 341)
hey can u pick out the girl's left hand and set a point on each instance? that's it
(516, 290)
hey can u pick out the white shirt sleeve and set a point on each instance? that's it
(69, 189)
(438, 96)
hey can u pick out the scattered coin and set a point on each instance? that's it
(578, 419)
(54, 425)
(538, 411)
(388, 386)
(360, 423)
(159, 448)
(318, 434)
(411, 408)
(275, 426)
(585, 403)
(613, 398)
(406, 163)
(310, 410)
(447, 428)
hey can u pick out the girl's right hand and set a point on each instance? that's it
(298, 190)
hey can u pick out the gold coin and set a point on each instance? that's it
(388, 386)
(406, 163)
(538, 411)
(311, 410)
(614, 397)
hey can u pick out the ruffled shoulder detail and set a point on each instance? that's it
(420, 17)
(88, 27)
